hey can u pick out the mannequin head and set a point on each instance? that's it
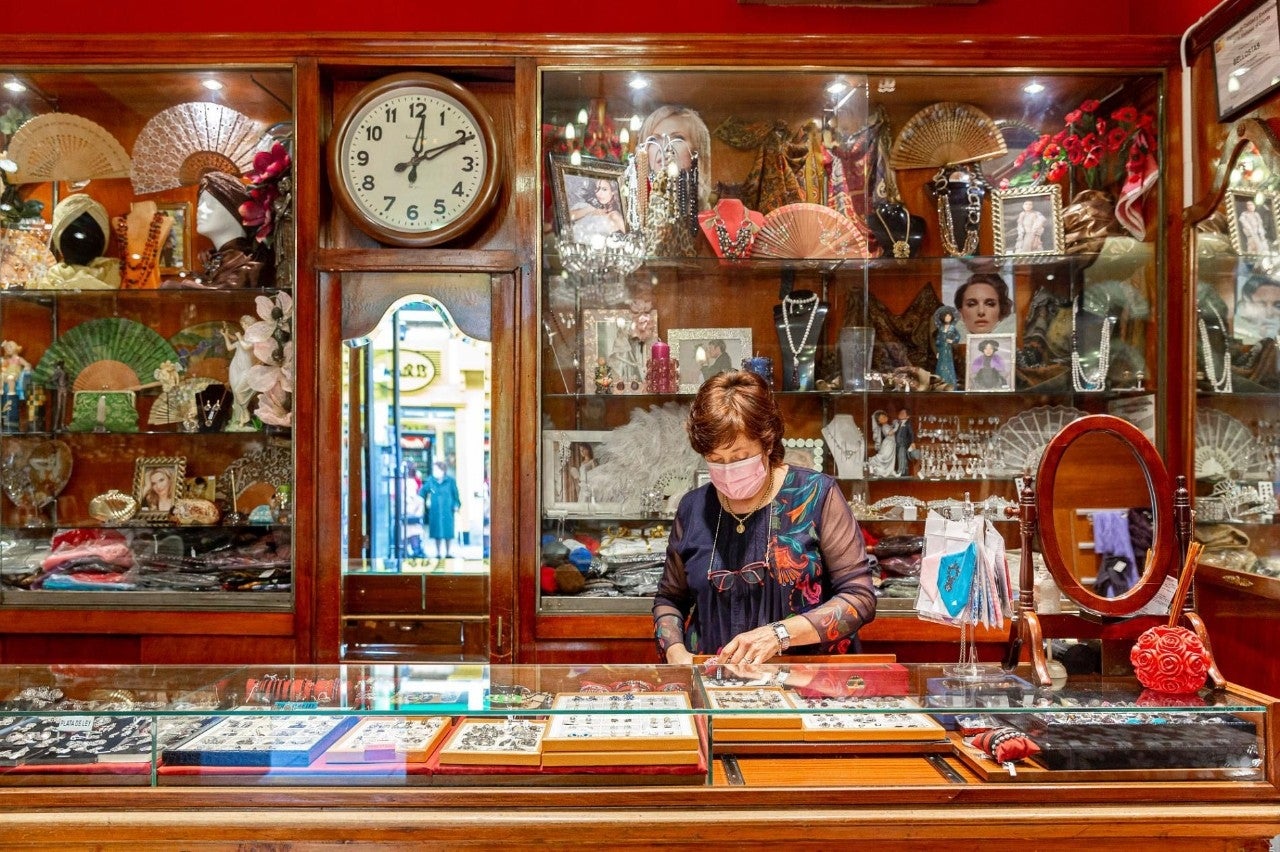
(79, 233)
(218, 210)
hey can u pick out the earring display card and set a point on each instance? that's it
(261, 741)
(106, 739)
(621, 702)
(495, 743)
(764, 698)
(389, 740)
(878, 723)
(622, 732)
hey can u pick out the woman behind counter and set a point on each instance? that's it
(765, 556)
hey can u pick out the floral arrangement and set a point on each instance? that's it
(1114, 153)
(270, 190)
(1092, 145)
(272, 376)
(1170, 659)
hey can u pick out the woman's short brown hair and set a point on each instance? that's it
(733, 403)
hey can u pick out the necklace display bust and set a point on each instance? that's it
(799, 320)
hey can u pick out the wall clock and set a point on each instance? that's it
(413, 160)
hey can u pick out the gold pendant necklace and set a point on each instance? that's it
(742, 519)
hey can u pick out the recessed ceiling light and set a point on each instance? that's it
(638, 83)
(1033, 88)
(837, 87)
(15, 86)
(212, 84)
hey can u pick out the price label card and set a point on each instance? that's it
(75, 724)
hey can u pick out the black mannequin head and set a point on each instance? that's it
(82, 241)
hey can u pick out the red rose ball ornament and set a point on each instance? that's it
(1170, 659)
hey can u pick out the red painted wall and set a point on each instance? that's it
(1004, 17)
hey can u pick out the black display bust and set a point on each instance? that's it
(82, 241)
(799, 320)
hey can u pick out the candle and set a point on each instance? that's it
(761, 366)
(660, 351)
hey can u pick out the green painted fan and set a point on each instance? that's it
(111, 352)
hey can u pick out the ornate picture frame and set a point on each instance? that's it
(589, 203)
(175, 255)
(1252, 222)
(568, 457)
(607, 336)
(1028, 221)
(989, 362)
(158, 482)
(691, 347)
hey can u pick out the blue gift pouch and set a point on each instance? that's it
(955, 577)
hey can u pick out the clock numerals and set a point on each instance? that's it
(418, 109)
(362, 158)
(468, 164)
(373, 133)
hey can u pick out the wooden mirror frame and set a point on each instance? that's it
(1165, 556)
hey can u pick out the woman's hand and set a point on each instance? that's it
(679, 655)
(752, 647)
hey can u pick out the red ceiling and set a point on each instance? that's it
(1006, 17)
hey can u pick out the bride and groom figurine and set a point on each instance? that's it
(893, 444)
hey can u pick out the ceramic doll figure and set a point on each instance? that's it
(946, 335)
(15, 374)
(882, 462)
(238, 374)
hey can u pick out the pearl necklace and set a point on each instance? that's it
(791, 306)
(1219, 383)
(1097, 380)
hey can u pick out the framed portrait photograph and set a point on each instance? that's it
(1028, 220)
(588, 199)
(982, 293)
(1257, 309)
(615, 349)
(201, 487)
(157, 482)
(703, 352)
(568, 459)
(989, 360)
(1252, 221)
(175, 254)
(1246, 60)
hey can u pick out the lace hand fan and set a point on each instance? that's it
(946, 133)
(177, 146)
(58, 146)
(1020, 441)
(1226, 449)
(111, 352)
(809, 231)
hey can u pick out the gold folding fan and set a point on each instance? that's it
(58, 146)
(946, 133)
(178, 145)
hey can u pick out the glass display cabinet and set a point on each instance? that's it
(146, 307)
(936, 271)
(452, 725)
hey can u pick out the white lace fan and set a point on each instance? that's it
(181, 143)
(1226, 449)
(1019, 443)
(59, 146)
(808, 230)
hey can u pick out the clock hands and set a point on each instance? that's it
(419, 139)
(420, 155)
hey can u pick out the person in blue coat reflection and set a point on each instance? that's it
(441, 494)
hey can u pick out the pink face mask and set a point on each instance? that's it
(738, 480)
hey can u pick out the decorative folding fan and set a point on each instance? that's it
(59, 146)
(810, 231)
(1226, 449)
(946, 133)
(1020, 441)
(105, 353)
(179, 404)
(202, 350)
(183, 142)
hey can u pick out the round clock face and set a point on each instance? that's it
(413, 161)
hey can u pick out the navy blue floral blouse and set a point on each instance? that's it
(814, 564)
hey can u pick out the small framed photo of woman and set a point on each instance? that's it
(615, 348)
(1252, 221)
(175, 254)
(588, 199)
(1028, 221)
(989, 362)
(569, 460)
(158, 482)
(704, 352)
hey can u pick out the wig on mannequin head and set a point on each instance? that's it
(80, 228)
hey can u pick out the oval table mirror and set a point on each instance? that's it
(1111, 526)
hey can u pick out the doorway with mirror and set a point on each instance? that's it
(416, 486)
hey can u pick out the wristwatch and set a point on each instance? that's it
(784, 638)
